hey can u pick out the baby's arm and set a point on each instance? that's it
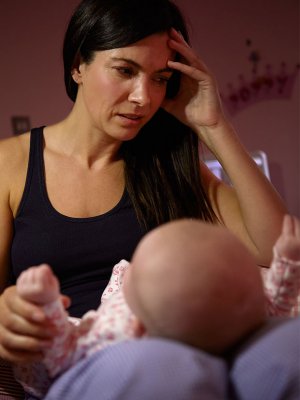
(39, 285)
(74, 339)
(282, 280)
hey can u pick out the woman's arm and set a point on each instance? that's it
(251, 208)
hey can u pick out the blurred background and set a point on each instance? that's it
(252, 47)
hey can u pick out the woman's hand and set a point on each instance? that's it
(197, 103)
(24, 328)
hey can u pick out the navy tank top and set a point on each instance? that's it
(81, 251)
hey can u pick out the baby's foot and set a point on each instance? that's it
(38, 285)
(288, 243)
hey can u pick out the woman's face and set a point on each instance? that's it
(121, 89)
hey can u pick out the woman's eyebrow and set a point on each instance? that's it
(135, 64)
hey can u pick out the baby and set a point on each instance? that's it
(188, 281)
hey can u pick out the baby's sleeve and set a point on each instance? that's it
(116, 280)
(282, 286)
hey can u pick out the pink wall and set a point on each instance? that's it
(31, 35)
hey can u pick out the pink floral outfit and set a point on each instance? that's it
(282, 286)
(110, 323)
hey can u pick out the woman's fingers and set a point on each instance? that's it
(24, 328)
(176, 35)
(21, 326)
(190, 65)
(18, 342)
(191, 71)
(197, 103)
(21, 340)
(16, 305)
(178, 44)
(17, 347)
(20, 356)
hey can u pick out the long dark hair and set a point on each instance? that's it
(162, 163)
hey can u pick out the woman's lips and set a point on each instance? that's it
(132, 119)
(131, 116)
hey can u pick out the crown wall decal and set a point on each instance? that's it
(272, 83)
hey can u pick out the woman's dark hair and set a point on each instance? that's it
(162, 162)
(163, 173)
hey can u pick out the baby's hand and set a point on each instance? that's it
(288, 243)
(38, 285)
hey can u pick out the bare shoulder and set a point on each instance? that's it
(14, 155)
(15, 147)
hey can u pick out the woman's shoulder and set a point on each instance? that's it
(13, 151)
(14, 155)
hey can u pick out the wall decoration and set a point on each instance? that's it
(269, 84)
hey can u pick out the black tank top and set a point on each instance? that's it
(81, 251)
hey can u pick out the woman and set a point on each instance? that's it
(80, 194)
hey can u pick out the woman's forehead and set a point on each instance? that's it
(151, 51)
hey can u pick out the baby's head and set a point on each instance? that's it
(196, 283)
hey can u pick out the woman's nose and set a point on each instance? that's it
(140, 93)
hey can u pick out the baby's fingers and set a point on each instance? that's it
(291, 226)
(296, 222)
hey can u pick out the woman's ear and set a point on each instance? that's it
(76, 75)
(76, 69)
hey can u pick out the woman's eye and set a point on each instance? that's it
(161, 80)
(125, 71)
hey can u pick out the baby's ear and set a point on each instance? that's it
(138, 327)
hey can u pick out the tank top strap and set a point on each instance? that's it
(34, 177)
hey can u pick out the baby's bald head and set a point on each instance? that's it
(197, 283)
